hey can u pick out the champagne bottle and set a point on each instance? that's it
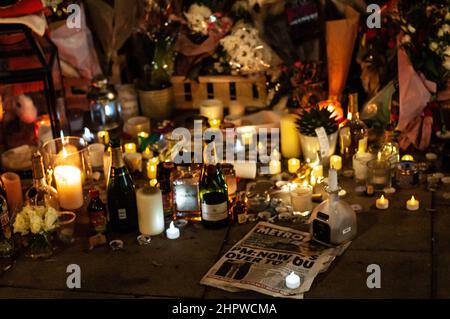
(213, 197)
(121, 193)
(40, 193)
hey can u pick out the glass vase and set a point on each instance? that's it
(39, 246)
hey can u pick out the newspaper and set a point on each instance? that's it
(266, 255)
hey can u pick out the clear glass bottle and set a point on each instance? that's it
(390, 150)
(41, 194)
(186, 204)
(354, 135)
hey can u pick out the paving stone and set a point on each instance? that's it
(442, 275)
(21, 293)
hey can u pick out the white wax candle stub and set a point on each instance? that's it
(172, 232)
(293, 281)
(324, 143)
(150, 211)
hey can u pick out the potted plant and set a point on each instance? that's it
(307, 124)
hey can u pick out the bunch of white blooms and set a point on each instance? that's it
(198, 17)
(247, 51)
(36, 219)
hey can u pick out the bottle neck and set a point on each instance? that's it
(39, 182)
(353, 107)
(117, 158)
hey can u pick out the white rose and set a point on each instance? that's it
(406, 38)
(51, 218)
(202, 10)
(36, 224)
(446, 63)
(21, 225)
(447, 16)
(443, 30)
(433, 46)
(411, 29)
(447, 51)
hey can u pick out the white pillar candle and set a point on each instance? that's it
(172, 232)
(292, 281)
(13, 188)
(412, 204)
(274, 167)
(150, 211)
(290, 137)
(246, 170)
(382, 203)
(69, 186)
(212, 109)
(293, 165)
(336, 162)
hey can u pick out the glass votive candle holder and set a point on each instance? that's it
(68, 159)
(407, 175)
(301, 199)
(96, 154)
(360, 161)
(379, 174)
(66, 221)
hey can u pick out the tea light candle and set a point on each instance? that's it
(151, 170)
(130, 148)
(172, 232)
(153, 182)
(382, 203)
(293, 281)
(69, 186)
(274, 167)
(336, 162)
(408, 158)
(103, 137)
(412, 204)
(293, 165)
(150, 211)
(214, 123)
(147, 153)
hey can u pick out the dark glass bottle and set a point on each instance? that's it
(6, 242)
(122, 208)
(164, 176)
(213, 197)
(239, 210)
(98, 221)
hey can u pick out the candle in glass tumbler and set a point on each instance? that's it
(69, 186)
(130, 148)
(214, 123)
(336, 162)
(293, 165)
(274, 167)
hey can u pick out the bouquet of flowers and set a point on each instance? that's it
(38, 222)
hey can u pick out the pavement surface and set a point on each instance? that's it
(412, 249)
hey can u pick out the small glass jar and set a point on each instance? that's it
(407, 175)
(186, 204)
(379, 174)
(230, 178)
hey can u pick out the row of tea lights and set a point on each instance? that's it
(383, 203)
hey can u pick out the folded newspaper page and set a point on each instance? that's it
(265, 256)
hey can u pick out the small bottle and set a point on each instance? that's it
(122, 206)
(239, 210)
(98, 219)
(354, 135)
(41, 194)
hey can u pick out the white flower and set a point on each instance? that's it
(36, 224)
(443, 30)
(197, 17)
(433, 46)
(50, 221)
(21, 224)
(447, 51)
(447, 16)
(446, 63)
(411, 29)
(406, 38)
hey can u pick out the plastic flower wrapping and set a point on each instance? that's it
(36, 220)
(247, 51)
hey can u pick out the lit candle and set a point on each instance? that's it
(274, 167)
(293, 281)
(382, 203)
(247, 138)
(69, 186)
(153, 182)
(214, 123)
(142, 140)
(147, 153)
(103, 137)
(407, 158)
(293, 165)
(172, 232)
(212, 109)
(412, 204)
(151, 170)
(150, 211)
(317, 171)
(313, 180)
(290, 138)
(275, 155)
(336, 162)
(246, 170)
(13, 188)
(130, 148)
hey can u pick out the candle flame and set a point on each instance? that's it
(64, 152)
(172, 226)
(292, 274)
(382, 199)
(379, 156)
(413, 200)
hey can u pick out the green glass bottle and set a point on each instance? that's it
(122, 208)
(213, 197)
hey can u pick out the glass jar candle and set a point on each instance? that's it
(379, 174)
(406, 175)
